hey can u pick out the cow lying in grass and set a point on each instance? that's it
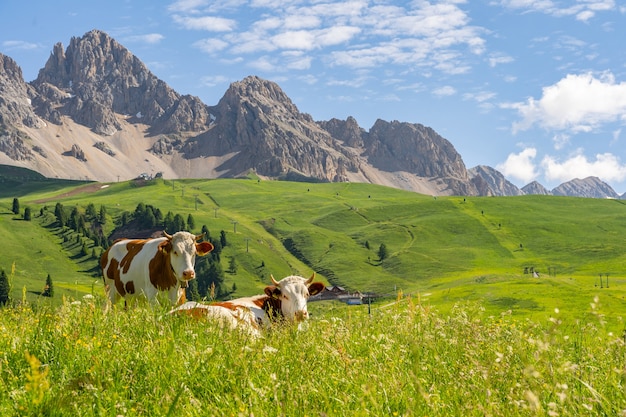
(285, 299)
(142, 268)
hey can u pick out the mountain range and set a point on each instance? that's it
(95, 112)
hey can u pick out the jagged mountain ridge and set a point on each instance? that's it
(494, 183)
(96, 78)
(96, 112)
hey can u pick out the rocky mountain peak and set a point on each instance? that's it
(494, 183)
(258, 121)
(264, 95)
(347, 131)
(15, 97)
(535, 188)
(96, 78)
(417, 149)
(590, 187)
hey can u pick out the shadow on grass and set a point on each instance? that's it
(517, 303)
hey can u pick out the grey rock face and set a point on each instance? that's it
(96, 79)
(492, 182)
(591, 187)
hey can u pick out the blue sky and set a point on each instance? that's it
(534, 88)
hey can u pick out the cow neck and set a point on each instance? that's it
(271, 305)
(161, 270)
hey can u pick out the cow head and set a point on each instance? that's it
(292, 294)
(182, 248)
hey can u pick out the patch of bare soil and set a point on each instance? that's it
(86, 189)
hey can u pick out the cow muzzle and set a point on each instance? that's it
(188, 275)
(301, 315)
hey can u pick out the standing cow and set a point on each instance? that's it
(143, 268)
(283, 300)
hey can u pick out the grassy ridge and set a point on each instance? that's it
(445, 249)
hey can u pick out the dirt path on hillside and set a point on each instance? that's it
(85, 189)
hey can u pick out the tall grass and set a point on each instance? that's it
(403, 359)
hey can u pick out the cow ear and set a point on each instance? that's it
(165, 246)
(203, 248)
(316, 288)
(272, 291)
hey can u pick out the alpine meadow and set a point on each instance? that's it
(499, 306)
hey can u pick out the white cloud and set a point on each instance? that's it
(151, 38)
(576, 103)
(210, 45)
(300, 39)
(213, 80)
(560, 140)
(391, 98)
(309, 79)
(582, 10)
(182, 6)
(585, 15)
(444, 91)
(336, 35)
(302, 21)
(354, 82)
(14, 45)
(418, 34)
(480, 97)
(606, 166)
(297, 61)
(367, 57)
(616, 134)
(208, 23)
(264, 63)
(497, 59)
(520, 165)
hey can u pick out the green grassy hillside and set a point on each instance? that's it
(442, 250)
(17, 181)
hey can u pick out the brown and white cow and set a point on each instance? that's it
(284, 300)
(136, 269)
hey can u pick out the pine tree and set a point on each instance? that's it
(90, 212)
(207, 235)
(223, 241)
(48, 290)
(102, 216)
(191, 223)
(16, 206)
(27, 214)
(83, 251)
(179, 223)
(232, 265)
(382, 252)
(60, 214)
(5, 289)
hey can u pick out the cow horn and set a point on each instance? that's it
(200, 236)
(167, 235)
(273, 280)
(310, 280)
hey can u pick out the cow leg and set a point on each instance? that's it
(174, 296)
(112, 296)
